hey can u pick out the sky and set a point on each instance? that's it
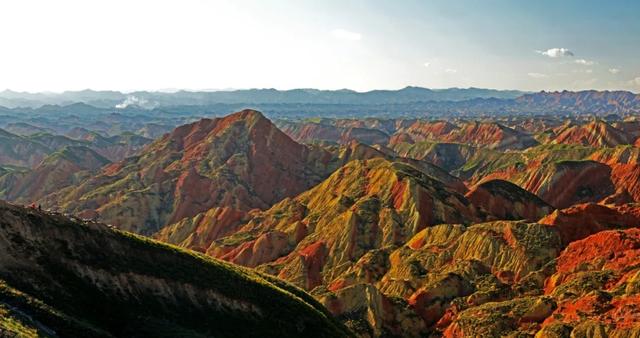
(332, 44)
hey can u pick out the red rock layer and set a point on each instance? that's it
(580, 221)
(505, 200)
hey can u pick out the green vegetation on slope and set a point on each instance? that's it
(75, 277)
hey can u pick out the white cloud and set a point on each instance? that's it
(635, 82)
(556, 52)
(537, 75)
(450, 70)
(427, 64)
(614, 70)
(344, 34)
(585, 62)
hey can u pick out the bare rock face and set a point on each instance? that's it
(520, 316)
(591, 289)
(505, 200)
(399, 285)
(355, 216)
(444, 229)
(240, 162)
(595, 134)
(561, 183)
(432, 300)
(490, 135)
(197, 233)
(580, 221)
(449, 156)
(363, 206)
(209, 229)
(370, 313)
(597, 278)
(343, 133)
(423, 131)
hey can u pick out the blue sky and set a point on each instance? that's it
(362, 45)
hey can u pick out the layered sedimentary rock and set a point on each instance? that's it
(363, 205)
(64, 168)
(505, 200)
(369, 233)
(561, 183)
(597, 286)
(200, 231)
(590, 290)
(490, 135)
(592, 101)
(312, 132)
(596, 134)
(447, 228)
(580, 221)
(423, 131)
(114, 148)
(241, 162)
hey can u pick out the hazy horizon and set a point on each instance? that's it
(196, 90)
(174, 90)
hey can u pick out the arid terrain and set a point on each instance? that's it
(521, 219)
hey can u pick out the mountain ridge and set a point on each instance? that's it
(82, 278)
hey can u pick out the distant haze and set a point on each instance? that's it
(150, 100)
(360, 45)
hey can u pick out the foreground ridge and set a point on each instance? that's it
(62, 277)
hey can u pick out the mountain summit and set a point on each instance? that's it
(241, 161)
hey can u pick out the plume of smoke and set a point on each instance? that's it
(133, 100)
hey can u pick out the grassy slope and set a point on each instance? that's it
(55, 253)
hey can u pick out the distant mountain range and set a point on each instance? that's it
(146, 99)
(164, 109)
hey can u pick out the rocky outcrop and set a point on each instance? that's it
(423, 131)
(518, 317)
(595, 134)
(240, 162)
(449, 156)
(593, 292)
(505, 200)
(562, 183)
(198, 232)
(370, 313)
(580, 221)
(312, 132)
(364, 205)
(596, 284)
(491, 135)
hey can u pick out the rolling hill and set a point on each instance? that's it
(64, 278)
